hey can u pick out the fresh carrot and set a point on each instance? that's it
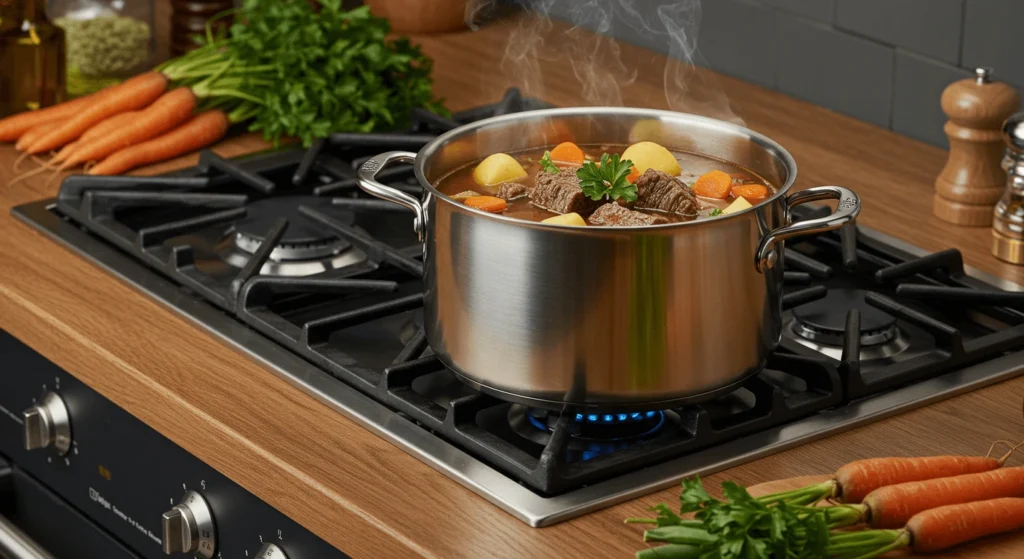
(713, 184)
(633, 175)
(487, 203)
(934, 530)
(568, 152)
(133, 94)
(852, 482)
(892, 506)
(860, 477)
(36, 132)
(166, 113)
(12, 127)
(107, 126)
(204, 129)
(944, 527)
(752, 192)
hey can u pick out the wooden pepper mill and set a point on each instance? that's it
(972, 181)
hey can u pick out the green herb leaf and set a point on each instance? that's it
(547, 165)
(693, 497)
(715, 212)
(607, 181)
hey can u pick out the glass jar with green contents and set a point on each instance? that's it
(107, 40)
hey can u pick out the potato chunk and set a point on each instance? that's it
(739, 205)
(498, 168)
(566, 219)
(649, 155)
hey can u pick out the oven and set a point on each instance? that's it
(81, 477)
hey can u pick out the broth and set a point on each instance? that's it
(692, 165)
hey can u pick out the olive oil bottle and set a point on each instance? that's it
(31, 57)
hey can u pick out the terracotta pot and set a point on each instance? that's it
(421, 16)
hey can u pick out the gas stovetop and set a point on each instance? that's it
(284, 245)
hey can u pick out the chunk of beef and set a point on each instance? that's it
(512, 190)
(461, 197)
(656, 190)
(561, 193)
(618, 216)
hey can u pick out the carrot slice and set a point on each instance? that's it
(633, 175)
(752, 192)
(487, 203)
(714, 184)
(568, 152)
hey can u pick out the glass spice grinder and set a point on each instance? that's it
(1008, 219)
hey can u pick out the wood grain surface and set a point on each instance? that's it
(996, 547)
(370, 498)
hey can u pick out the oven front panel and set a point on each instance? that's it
(124, 475)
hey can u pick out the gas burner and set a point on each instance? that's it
(591, 427)
(821, 325)
(305, 249)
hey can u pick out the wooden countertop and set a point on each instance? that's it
(368, 497)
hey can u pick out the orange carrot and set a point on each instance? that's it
(861, 477)
(568, 152)
(109, 125)
(752, 192)
(134, 93)
(944, 527)
(204, 129)
(167, 112)
(12, 127)
(105, 127)
(714, 184)
(894, 505)
(934, 529)
(633, 175)
(36, 132)
(852, 482)
(487, 203)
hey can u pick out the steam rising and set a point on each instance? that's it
(588, 51)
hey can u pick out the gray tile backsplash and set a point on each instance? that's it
(825, 66)
(994, 36)
(739, 39)
(916, 110)
(883, 61)
(821, 10)
(929, 27)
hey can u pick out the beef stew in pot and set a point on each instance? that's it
(623, 186)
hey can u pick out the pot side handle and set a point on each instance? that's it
(846, 211)
(367, 178)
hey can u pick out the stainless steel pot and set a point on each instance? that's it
(610, 317)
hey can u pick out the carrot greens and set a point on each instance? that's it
(306, 69)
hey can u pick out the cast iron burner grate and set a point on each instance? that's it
(286, 243)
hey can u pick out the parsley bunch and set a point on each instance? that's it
(607, 180)
(743, 527)
(307, 70)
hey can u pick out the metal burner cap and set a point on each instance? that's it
(292, 252)
(824, 320)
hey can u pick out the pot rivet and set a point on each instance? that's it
(770, 259)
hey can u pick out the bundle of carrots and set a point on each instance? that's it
(290, 68)
(923, 504)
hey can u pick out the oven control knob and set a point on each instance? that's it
(188, 527)
(47, 424)
(270, 551)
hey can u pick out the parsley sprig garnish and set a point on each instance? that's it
(546, 165)
(607, 180)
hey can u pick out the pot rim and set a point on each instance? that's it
(428, 150)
